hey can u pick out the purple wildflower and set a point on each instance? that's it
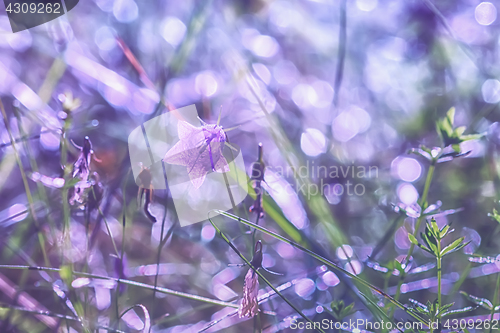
(200, 150)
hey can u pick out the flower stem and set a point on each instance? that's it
(439, 274)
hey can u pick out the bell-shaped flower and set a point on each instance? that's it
(200, 150)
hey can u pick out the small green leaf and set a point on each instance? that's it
(435, 228)
(459, 311)
(349, 307)
(445, 125)
(454, 246)
(443, 232)
(483, 302)
(460, 130)
(495, 215)
(453, 136)
(430, 241)
(472, 137)
(412, 239)
(445, 307)
(340, 311)
(426, 249)
(348, 310)
(450, 116)
(397, 265)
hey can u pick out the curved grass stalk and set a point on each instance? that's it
(147, 318)
(326, 262)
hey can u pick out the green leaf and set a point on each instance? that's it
(483, 302)
(397, 265)
(443, 232)
(419, 306)
(459, 311)
(430, 241)
(445, 125)
(340, 311)
(454, 246)
(460, 130)
(450, 116)
(426, 249)
(450, 136)
(472, 137)
(445, 307)
(495, 215)
(412, 239)
(435, 228)
(349, 307)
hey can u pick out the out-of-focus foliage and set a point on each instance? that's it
(336, 135)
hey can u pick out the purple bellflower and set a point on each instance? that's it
(200, 150)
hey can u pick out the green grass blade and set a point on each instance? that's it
(260, 274)
(326, 262)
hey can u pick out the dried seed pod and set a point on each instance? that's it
(249, 305)
(81, 171)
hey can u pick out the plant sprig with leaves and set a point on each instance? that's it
(339, 310)
(451, 136)
(433, 244)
